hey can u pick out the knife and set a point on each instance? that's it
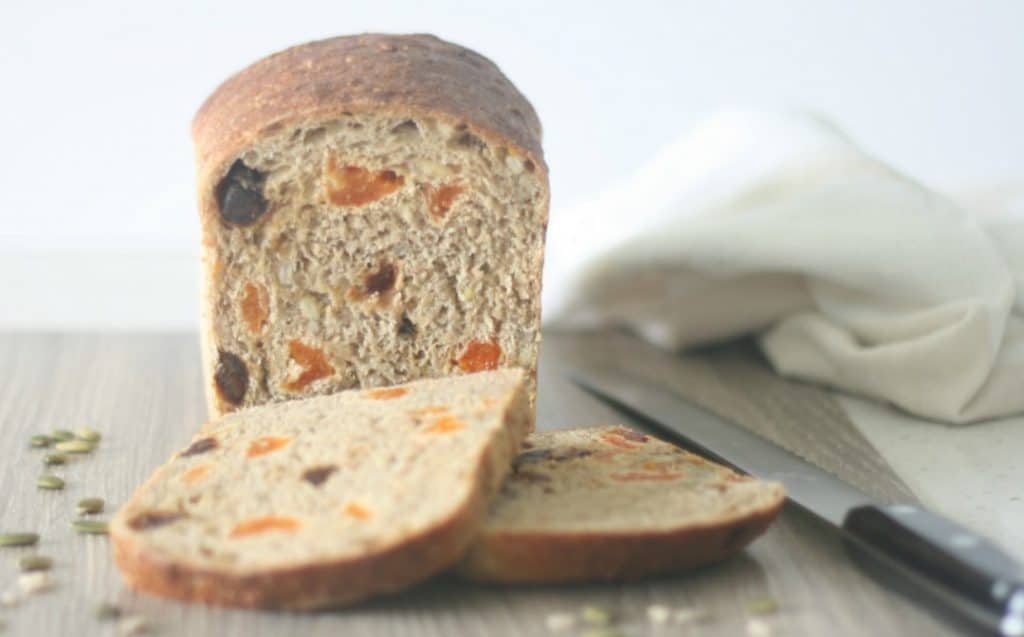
(941, 559)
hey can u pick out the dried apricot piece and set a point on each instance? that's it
(356, 186)
(265, 524)
(313, 362)
(387, 393)
(265, 445)
(197, 473)
(255, 306)
(617, 440)
(358, 511)
(480, 356)
(445, 424)
(441, 198)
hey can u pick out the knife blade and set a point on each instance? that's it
(944, 560)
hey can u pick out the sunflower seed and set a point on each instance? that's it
(49, 482)
(90, 527)
(37, 582)
(10, 597)
(40, 440)
(132, 625)
(106, 611)
(75, 446)
(758, 628)
(599, 615)
(560, 622)
(52, 459)
(35, 563)
(18, 539)
(89, 506)
(61, 434)
(658, 613)
(88, 434)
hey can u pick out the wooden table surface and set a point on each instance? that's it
(143, 392)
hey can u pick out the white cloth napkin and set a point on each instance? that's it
(849, 273)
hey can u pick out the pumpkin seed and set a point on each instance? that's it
(62, 434)
(762, 606)
(40, 440)
(90, 505)
(52, 459)
(75, 446)
(107, 611)
(87, 434)
(35, 563)
(593, 614)
(18, 539)
(91, 527)
(50, 482)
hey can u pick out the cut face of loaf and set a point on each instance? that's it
(328, 500)
(612, 503)
(374, 211)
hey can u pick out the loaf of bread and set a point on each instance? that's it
(328, 500)
(373, 211)
(612, 503)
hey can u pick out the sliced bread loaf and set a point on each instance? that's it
(328, 500)
(373, 211)
(612, 503)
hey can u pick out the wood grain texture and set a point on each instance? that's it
(143, 392)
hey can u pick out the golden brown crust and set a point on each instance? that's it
(340, 582)
(418, 74)
(521, 557)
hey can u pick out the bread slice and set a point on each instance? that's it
(612, 503)
(328, 500)
(373, 211)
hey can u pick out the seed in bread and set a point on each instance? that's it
(328, 500)
(373, 211)
(612, 503)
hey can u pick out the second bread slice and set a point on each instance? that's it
(612, 503)
(325, 501)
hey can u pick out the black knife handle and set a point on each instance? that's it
(964, 570)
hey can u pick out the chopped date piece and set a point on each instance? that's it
(240, 195)
(200, 446)
(318, 475)
(153, 519)
(231, 377)
(358, 511)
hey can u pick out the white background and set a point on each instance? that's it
(97, 222)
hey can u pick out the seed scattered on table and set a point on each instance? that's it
(132, 625)
(90, 527)
(40, 441)
(35, 582)
(593, 614)
(50, 482)
(75, 446)
(35, 563)
(758, 628)
(54, 459)
(658, 613)
(88, 506)
(762, 606)
(603, 631)
(61, 434)
(560, 622)
(88, 434)
(107, 611)
(18, 539)
(690, 615)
